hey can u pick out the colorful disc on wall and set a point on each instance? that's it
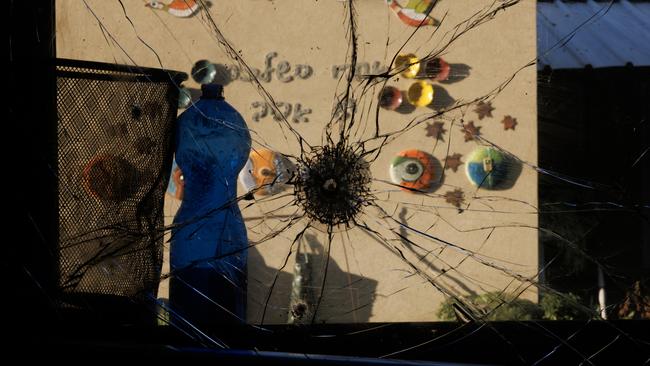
(408, 64)
(413, 170)
(184, 98)
(420, 94)
(203, 72)
(110, 178)
(177, 8)
(486, 167)
(437, 69)
(390, 98)
(267, 171)
(414, 13)
(176, 182)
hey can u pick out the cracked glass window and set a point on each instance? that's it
(353, 162)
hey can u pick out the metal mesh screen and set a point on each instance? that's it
(114, 154)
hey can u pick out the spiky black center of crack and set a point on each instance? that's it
(333, 185)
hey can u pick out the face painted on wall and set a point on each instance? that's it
(266, 172)
(413, 170)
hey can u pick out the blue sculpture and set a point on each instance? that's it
(208, 245)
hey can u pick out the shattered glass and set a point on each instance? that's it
(407, 165)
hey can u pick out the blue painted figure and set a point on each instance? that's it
(208, 246)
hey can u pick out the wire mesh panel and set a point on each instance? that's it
(115, 127)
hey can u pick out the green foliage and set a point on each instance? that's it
(496, 306)
(446, 310)
(558, 307)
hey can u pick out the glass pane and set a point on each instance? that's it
(397, 161)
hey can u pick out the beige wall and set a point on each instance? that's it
(314, 33)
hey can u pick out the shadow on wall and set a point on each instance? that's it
(441, 100)
(452, 277)
(458, 73)
(347, 298)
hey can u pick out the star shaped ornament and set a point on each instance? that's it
(455, 197)
(509, 123)
(436, 130)
(484, 109)
(471, 131)
(453, 162)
